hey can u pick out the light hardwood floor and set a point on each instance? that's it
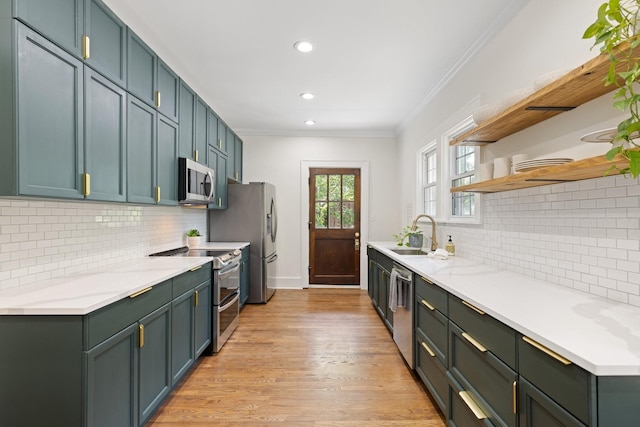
(315, 357)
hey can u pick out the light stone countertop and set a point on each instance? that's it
(221, 246)
(597, 334)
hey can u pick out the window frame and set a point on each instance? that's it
(432, 146)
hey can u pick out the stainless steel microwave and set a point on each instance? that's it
(196, 183)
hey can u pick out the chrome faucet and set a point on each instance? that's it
(414, 226)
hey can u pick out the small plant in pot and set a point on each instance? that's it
(414, 237)
(194, 237)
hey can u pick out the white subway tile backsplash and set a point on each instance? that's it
(583, 235)
(45, 239)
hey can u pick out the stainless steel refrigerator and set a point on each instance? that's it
(251, 216)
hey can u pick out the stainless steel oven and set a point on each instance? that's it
(225, 293)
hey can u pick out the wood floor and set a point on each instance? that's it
(315, 357)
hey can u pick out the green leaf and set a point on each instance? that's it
(634, 163)
(611, 154)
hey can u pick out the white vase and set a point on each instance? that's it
(194, 241)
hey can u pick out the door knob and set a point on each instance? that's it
(357, 234)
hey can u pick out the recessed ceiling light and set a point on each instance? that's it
(309, 122)
(307, 95)
(303, 46)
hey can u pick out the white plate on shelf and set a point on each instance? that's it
(528, 165)
(604, 135)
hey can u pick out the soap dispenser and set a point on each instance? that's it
(450, 247)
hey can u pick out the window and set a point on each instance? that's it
(463, 170)
(430, 181)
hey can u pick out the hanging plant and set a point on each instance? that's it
(616, 31)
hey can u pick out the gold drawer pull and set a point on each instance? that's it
(196, 298)
(472, 405)
(473, 307)
(474, 343)
(196, 268)
(137, 294)
(429, 282)
(547, 351)
(140, 335)
(515, 397)
(426, 347)
(86, 47)
(426, 304)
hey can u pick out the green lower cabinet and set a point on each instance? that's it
(203, 317)
(538, 410)
(154, 361)
(182, 345)
(431, 371)
(111, 381)
(464, 410)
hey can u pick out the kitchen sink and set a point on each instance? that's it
(409, 251)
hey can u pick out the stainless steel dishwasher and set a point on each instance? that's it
(401, 303)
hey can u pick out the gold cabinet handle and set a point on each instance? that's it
(515, 397)
(86, 178)
(236, 174)
(219, 202)
(474, 343)
(473, 307)
(468, 400)
(196, 298)
(158, 194)
(426, 304)
(144, 291)
(157, 99)
(140, 335)
(86, 47)
(195, 155)
(427, 349)
(220, 143)
(429, 282)
(196, 268)
(547, 351)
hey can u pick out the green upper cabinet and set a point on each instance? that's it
(106, 49)
(62, 21)
(200, 132)
(234, 156)
(187, 107)
(141, 152)
(218, 163)
(168, 89)
(49, 114)
(167, 162)
(221, 142)
(141, 69)
(105, 138)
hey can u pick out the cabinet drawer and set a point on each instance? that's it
(107, 321)
(537, 410)
(191, 279)
(433, 325)
(567, 384)
(485, 375)
(493, 334)
(433, 294)
(432, 372)
(385, 262)
(463, 413)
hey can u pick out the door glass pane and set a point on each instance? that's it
(335, 187)
(348, 184)
(321, 187)
(321, 215)
(335, 220)
(347, 215)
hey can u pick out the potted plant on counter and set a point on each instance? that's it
(414, 237)
(616, 31)
(194, 237)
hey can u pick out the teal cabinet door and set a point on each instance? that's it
(141, 69)
(218, 163)
(536, 409)
(182, 342)
(200, 134)
(212, 132)
(105, 138)
(187, 121)
(61, 21)
(167, 167)
(107, 35)
(244, 276)
(155, 355)
(141, 151)
(168, 89)
(237, 160)
(221, 143)
(203, 319)
(112, 369)
(50, 104)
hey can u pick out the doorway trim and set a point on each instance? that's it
(305, 165)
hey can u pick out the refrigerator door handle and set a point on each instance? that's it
(274, 221)
(272, 258)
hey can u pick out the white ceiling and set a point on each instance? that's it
(374, 64)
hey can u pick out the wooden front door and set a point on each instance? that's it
(334, 226)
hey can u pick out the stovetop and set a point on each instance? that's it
(221, 258)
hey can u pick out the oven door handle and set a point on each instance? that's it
(229, 304)
(224, 273)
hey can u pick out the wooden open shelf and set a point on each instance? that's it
(593, 167)
(568, 92)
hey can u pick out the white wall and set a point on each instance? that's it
(579, 235)
(41, 239)
(281, 159)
